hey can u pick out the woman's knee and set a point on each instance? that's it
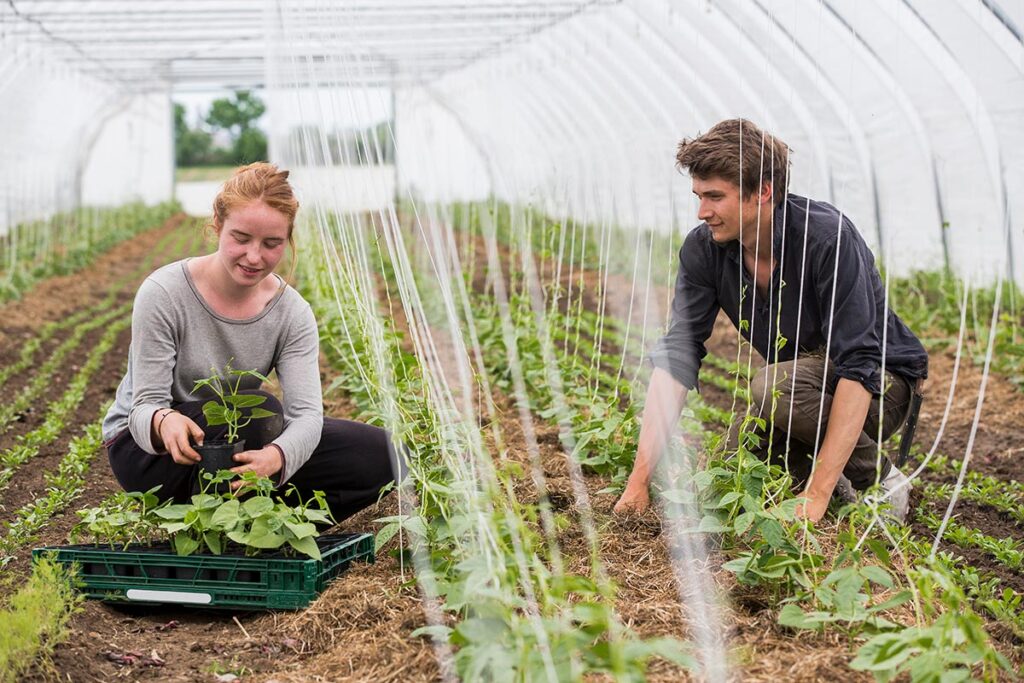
(264, 430)
(387, 458)
(271, 402)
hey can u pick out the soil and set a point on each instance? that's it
(360, 628)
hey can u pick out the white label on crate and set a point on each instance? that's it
(168, 596)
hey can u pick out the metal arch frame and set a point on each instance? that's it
(116, 104)
(519, 103)
(903, 100)
(930, 43)
(1003, 19)
(636, 112)
(432, 94)
(1002, 33)
(570, 137)
(844, 113)
(799, 106)
(588, 128)
(586, 82)
(559, 111)
(66, 31)
(695, 107)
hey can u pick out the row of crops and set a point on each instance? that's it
(66, 242)
(62, 360)
(540, 334)
(474, 331)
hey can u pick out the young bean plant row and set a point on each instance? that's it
(66, 242)
(34, 616)
(748, 505)
(483, 552)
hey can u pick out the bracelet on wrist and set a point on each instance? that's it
(160, 422)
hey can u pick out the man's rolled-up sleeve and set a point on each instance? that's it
(694, 307)
(854, 347)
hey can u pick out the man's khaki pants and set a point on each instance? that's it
(804, 392)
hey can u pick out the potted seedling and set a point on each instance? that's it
(230, 408)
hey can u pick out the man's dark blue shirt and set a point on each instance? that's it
(824, 272)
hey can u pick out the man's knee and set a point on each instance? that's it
(770, 389)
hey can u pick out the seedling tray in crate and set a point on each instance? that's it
(157, 575)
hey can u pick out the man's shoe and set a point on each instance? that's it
(844, 491)
(896, 487)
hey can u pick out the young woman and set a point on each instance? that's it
(230, 307)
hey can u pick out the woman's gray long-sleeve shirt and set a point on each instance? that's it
(177, 339)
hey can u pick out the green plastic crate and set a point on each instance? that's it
(143, 575)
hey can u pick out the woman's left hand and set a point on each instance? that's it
(264, 462)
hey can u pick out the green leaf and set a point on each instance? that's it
(415, 525)
(880, 550)
(214, 541)
(481, 630)
(737, 566)
(743, 522)
(711, 524)
(301, 530)
(268, 540)
(876, 574)
(260, 413)
(258, 505)
(206, 501)
(185, 544)
(226, 516)
(385, 535)
(200, 383)
(895, 601)
(260, 536)
(245, 400)
(314, 515)
(250, 373)
(884, 652)
(729, 498)
(437, 631)
(215, 413)
(772, 532)
(306, 546)
(792, 616)
(669, 649)
(239, 536)
(173, 511)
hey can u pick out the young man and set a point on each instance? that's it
(799, 283)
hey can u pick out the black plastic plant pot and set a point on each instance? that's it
(218, 455)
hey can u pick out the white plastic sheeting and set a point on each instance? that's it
(907, 114)
(70, 140)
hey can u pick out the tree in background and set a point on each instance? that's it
(192, 146)
(236, 116)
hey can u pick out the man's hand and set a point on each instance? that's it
(635, 499)
(850, 405)
(264, 462)
(812, 507)
(664, 403)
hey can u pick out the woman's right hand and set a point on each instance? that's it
(176, 432)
